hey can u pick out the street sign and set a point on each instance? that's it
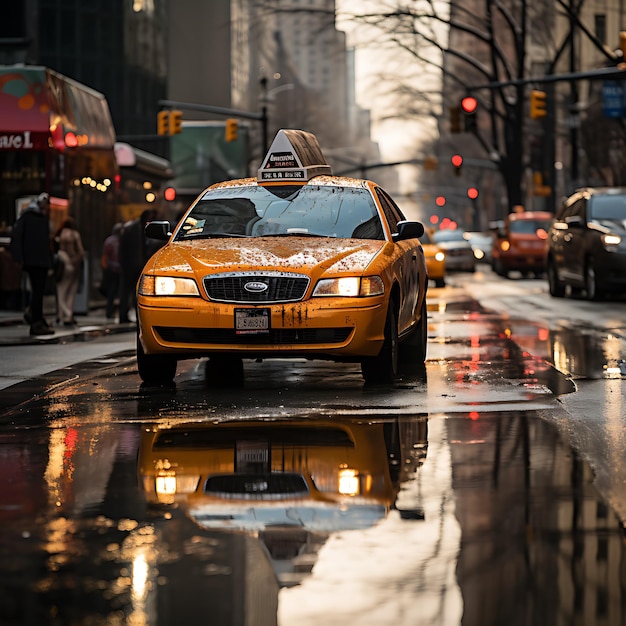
(613, 98)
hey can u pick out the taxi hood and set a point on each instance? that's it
(305, 254)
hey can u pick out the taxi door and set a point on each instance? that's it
(407, 266)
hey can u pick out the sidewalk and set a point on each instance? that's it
(14, 331)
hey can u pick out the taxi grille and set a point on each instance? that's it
(279, 287)
(275, 336)
(256, 486)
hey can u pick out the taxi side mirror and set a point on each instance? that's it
(408, 230)
(159, 229)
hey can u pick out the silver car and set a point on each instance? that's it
(459, 252)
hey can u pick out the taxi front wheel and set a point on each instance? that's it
(155, 368)
(383, 368)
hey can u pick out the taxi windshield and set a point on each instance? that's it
(310, 210)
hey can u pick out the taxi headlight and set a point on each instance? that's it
(348, 482)
(167, 286)
(440, 256)
(611, 241)
(171, 483)
(351, 286)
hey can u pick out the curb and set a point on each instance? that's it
(19, 333)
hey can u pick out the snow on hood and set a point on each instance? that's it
(272, 253)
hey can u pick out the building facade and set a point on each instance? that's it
(117, 47)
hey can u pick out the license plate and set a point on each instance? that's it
(251, 321)
(252, 457)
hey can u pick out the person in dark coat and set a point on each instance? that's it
(31, 247)
(135, 250)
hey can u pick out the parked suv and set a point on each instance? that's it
(520, 243)
(587, 243)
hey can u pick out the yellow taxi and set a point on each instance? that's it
(293, 263)
(435, 260)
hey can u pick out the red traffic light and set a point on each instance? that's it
(472, 193)
(457, 160)
(469, 104)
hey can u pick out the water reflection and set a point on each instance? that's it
(461, 515)
(289, 482)
(587, 354)
(534, 528)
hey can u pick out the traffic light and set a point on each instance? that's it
(455, 119)
(176, 122)
(457, 161)
(537, 104)
(163, 123)
(469, 106)
(231, 129)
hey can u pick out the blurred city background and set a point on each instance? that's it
(464, 111)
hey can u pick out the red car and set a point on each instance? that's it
(521, 243)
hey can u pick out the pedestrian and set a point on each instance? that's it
(110, 261)
(31, 247)
(135, 250)
(71, 255)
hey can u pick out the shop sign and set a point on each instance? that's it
(16, 141)
(613, 98)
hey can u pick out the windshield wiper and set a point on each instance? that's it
(294, 234)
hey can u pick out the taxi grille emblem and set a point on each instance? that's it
(256, 287)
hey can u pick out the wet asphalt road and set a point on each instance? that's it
(472, 507)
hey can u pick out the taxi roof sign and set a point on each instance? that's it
(294, 156)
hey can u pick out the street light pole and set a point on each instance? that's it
(263, 83)
(266, 98)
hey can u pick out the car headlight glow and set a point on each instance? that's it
(611, 240)
(440, 256)
(169, 483)
(167, 286)
(350, 286)
(478, 253)
(349, 484)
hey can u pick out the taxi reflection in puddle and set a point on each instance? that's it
(311, 474)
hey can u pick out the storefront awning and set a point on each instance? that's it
(40, 108)
(152, 164)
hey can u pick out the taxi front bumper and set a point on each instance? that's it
(333, 328)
